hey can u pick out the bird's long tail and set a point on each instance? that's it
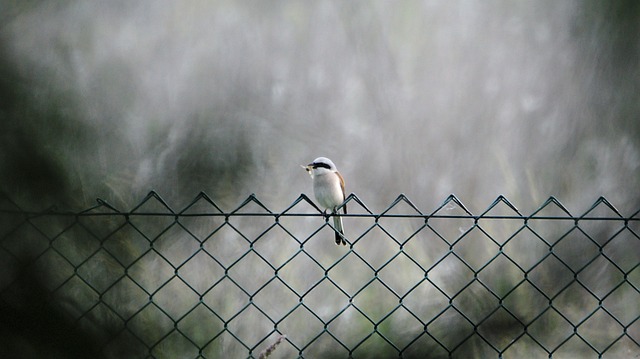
(337, 223)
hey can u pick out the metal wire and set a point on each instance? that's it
(202, 282)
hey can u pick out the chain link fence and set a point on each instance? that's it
(202, 282)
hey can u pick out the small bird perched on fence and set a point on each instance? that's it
(328, 188)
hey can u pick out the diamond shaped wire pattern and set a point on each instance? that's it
(101, 271)
(191, 325)
(175, 343)
(140, 325)
(176, 298)
(226, 299)
(125, 298)
(209, 282)
(562, 330)
(591, 330)
(302, 325)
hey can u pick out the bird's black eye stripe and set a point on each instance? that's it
(320, 164)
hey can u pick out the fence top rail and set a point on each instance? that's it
(426, 217)
(103, 208)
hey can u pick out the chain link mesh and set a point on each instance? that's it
(204, 283)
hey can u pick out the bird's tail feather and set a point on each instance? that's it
(337, 223)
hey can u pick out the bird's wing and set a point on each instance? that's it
(343, 194)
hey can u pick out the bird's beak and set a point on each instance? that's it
(308, 168)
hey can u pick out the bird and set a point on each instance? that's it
(328, 188)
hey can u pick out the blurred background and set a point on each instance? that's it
(427, 98)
